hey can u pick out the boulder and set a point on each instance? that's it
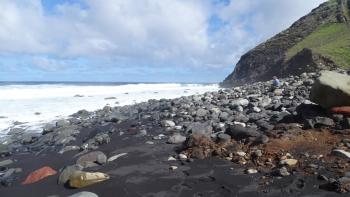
(331, 89)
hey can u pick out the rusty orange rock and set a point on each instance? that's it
(345, 110)
(39, 174)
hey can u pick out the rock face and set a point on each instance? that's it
(331, 89)
(291, 52)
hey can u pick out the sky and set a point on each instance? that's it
(136, 41)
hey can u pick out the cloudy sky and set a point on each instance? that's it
(135, 40)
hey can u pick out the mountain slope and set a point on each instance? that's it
(320, 39)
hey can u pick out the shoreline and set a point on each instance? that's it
(244, 141)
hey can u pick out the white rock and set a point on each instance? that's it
(168, 123)
(240, 123)
(251, 171)
(341, 153)
(116, 157)
(84, 194)
(241, 153)
(171, 158)
(182, 156)
(173, 167)
(256, 109)
(289, 162)
(150, 142)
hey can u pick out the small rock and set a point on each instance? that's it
(283, 171)
(251, 171)
(182, 156)
(84, 194)
(341, 153)
(241, 153)
(112, 158)
(289, 162)
(176, 139)
(173, 167)
(168, 123)
(67, 172)
(6, 162)
(92, 159)
(171, 158)
(82, 179)
(224, 137)
(68, 148)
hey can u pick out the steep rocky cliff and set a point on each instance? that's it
(320, 39)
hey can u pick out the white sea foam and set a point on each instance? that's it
(21, 102)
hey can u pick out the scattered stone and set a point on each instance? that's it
(224, 137)
(92, 159)
(84, 194)
(6, 162)
(112, 158)
(171, 158)
(81, 179)
(38, 175)
(176, 139)
(168, 123)
(241, 153)
(289, 162)
(341, 153)
(251, 171)
(173, 168)
(283, 171)
(67, 172)
(69, 148)
(182, 156)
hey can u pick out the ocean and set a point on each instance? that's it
(30, 105)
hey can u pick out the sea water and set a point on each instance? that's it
(31, 105)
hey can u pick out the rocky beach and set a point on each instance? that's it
(251, 140)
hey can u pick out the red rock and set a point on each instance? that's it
(39, 174)
(345, 110)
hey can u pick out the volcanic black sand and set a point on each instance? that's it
(144, 171)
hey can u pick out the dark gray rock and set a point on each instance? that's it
(238, 132)
(176, 139)
(200, 128)
(224, 137)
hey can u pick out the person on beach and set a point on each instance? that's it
(275, 83)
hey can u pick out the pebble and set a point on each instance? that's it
(283, 171)
(84, 194)
(241, 153)
(171, 158)
(6, 162)
(112, 158)
(251, 171)
(289, 162)
(183, 156)
(341, 153)
(173, 167)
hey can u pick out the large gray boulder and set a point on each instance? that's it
(331, 89)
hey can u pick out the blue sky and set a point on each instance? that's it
(135, 41)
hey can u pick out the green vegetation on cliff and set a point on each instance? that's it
(331, 40)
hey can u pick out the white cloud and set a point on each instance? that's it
(147, 32)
